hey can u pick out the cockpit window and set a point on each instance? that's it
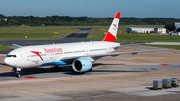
(11, 56)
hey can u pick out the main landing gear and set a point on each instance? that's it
(17, 70)
(56, 69)
(90, 70)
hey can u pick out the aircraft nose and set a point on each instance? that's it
(5, 60)
(9, 62)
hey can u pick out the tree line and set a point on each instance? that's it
(78, 21)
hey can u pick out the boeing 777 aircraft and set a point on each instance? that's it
(79, 54)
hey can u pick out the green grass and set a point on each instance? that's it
(146, 37)
(124, 27)
(133, 37)
(99, 29)
(142, 26)
(46, 39)
(25, 27)
(3, 48)
(166, 46)
(35, 33)
(39, 33)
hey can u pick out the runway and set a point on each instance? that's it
(81, 33)
(125, 77)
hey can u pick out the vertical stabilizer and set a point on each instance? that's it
(112, 32)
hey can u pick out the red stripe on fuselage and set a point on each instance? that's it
(109, 37)
(37, 53)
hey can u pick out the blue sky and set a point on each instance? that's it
(91, 8)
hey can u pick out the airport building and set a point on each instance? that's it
(140, 30)
(147, 30)
(177, 24)
(160, 30)
(175, 33)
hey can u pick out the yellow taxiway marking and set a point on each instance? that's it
(76, 35)
(101, 67)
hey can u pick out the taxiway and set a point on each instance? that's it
(125, 77)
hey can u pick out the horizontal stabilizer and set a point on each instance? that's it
(17, 45)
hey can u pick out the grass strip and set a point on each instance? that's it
(144, 37)
(3, 48)
(38, 33)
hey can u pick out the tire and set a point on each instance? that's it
(18, 76)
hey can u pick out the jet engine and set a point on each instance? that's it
(82, 65)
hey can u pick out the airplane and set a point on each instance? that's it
(80, 54)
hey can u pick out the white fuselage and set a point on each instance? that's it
(38, 55)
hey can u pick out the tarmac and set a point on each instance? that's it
(125, 77)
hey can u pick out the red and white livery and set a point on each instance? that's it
(112, 32)
(79, 54)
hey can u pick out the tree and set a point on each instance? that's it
(170, 27)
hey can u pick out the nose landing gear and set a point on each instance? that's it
(17, 70)
(18, 75)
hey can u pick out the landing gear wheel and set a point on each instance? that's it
(90, 70)
(60, 68)
(52, 68)
(18, 75)
(17, 70)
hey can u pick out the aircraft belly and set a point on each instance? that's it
(27, 64)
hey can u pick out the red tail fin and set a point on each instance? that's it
(112, 32)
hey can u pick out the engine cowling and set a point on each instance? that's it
(82, 65)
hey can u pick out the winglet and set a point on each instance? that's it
(17, 45)
(112, 32)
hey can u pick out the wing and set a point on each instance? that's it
(18, 46)
(135, 52)
(94, 57)
(132, 44)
